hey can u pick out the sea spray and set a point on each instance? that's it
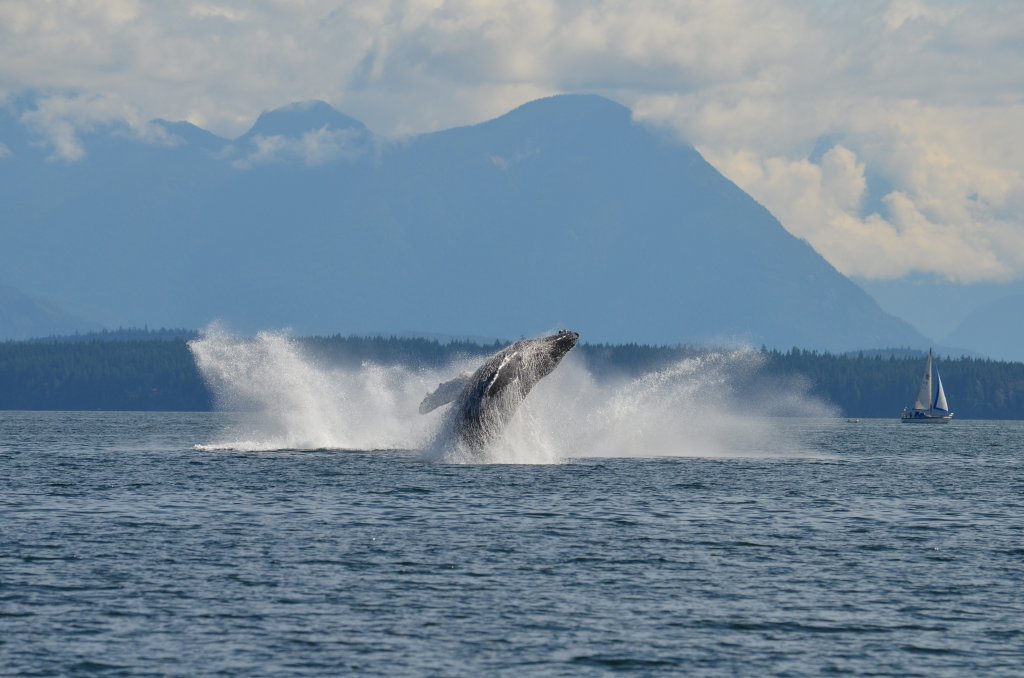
(709, 405)
(290, 400)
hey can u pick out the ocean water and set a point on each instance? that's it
(131, 545)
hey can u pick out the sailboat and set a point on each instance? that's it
(930, 407)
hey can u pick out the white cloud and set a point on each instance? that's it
(956, 210)
(211, 11)
(60, 120)
(313, 148)
(5, 152)
(925, 94)
(822, 204)
(900, 12)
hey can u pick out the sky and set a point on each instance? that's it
(889, 134)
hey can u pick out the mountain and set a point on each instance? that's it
(563, 212)
(903, 297)
(191, 136)
(300, 118)
(996, 329)
(22, 317)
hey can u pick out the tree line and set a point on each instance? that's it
(154, 370)
(877, 385)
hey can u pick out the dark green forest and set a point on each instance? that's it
(154, 370)
(880, 386)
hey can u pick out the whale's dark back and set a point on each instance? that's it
(494, 392)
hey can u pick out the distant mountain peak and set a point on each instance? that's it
(577, 103)
(569, 109)
(191, 134)
(23, 317)
(994, 328)
(298, 118)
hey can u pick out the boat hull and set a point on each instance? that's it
(925, 418)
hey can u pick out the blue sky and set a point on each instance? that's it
(921, 103)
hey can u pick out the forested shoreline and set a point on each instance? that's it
(155, 371)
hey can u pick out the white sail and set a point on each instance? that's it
(924, 395)
(930, 406)
(940, 395)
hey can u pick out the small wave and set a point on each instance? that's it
(243, 446)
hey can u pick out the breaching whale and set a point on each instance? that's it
(485, 400)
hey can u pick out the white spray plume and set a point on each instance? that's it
(690, 408)
(296, 403)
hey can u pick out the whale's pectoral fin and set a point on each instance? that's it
(444, 393)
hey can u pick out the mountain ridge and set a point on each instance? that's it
(24, 317)
(996, 328)
(563, 211)
(298, 118)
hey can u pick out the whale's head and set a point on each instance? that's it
(524, 363)
(561, 343)
(549, 351)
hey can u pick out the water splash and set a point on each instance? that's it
(710, 405)
(702, 406)
(294, 402)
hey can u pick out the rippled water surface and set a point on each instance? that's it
(888, 549)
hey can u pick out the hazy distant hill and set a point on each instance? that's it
(22, 316)
(903, 297)
(560, 213)
(995, 329)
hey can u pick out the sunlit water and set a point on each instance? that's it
(876, 548)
